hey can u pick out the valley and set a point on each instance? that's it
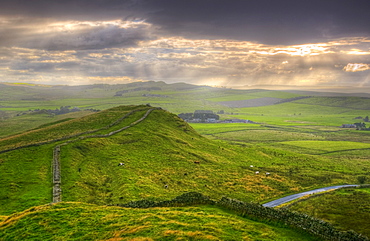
(299, 142)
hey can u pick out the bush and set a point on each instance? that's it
(362, 179)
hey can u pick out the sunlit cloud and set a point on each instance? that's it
(356, 52)
(355, 67)
(119, 51)
(297, 50)
(72, 35)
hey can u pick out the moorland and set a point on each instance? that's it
(296, 137)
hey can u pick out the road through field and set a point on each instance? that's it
(289, 198)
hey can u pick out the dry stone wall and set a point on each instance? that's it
(75, 135)
(56, 165)
(57, 189)
(254, 211)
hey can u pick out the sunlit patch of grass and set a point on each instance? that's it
(64, 221)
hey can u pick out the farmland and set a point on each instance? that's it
(299, 142)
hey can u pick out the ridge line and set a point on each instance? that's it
(57, 190)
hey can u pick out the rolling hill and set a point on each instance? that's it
(24, 106)
(161, 150)
(163, 158)
(81, 221)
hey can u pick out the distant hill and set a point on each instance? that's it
(25, 106)
(20, 91)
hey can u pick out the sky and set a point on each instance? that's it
(206, 42)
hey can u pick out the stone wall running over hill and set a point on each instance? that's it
(57, 190)
(71, 136)
(56, 166)
(57, 197)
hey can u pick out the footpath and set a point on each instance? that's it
(57, 189)
(56, 162)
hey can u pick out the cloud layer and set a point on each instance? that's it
(200, 42)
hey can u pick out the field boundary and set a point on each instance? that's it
(257, 212)
(257, 102)
(71, 136)
(56, 165)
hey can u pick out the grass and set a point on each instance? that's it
(252, 94)
(25, 178)
(323, 147)
(264, 135)
(79, 221)
(63, 129)
(343, 102)
(316, 111)
(299, 143)
(345, 208)
(294, 113)
(159, 151)
(24, 123)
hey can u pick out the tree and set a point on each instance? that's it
(360, 126)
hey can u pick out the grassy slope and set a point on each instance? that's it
(78, 221)
(164, 154)
(298, 121)
(159, 151)
(345, 208)
(26, 173)
(19, 124)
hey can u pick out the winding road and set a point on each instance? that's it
(289, 198)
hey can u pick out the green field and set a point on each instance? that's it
(91, 163)
(252, 94)
(176, 98)
(345, 208)
(325, 147)
(300, 143)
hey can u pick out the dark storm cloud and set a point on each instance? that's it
(229, 42)
(265, 21)
(72, 9)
